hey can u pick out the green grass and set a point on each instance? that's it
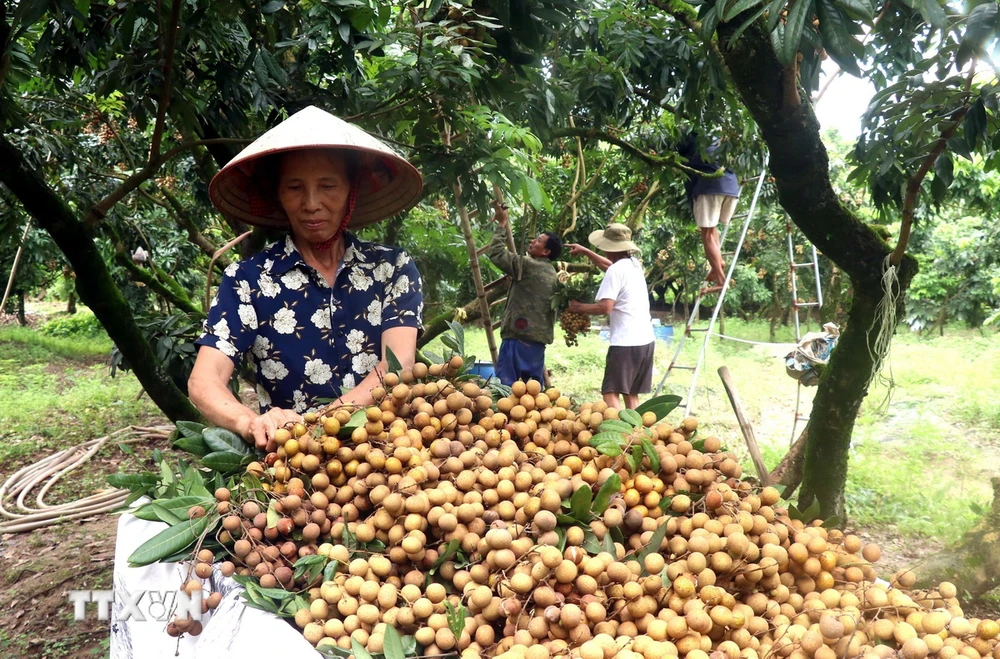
(23, 342)
(919, 467)
(59, 393)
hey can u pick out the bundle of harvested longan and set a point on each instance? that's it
(513, 529)
(573, 323)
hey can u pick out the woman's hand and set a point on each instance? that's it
(260, 429)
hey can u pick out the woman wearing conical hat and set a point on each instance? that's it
(314, 312)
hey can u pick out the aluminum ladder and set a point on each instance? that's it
(694, 318)
(793, 268)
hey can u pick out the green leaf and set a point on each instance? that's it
(170, 541)
(164, 515)
(220, 439)
(933, 13)
(794, 24)
(608, 545)
(273, 516)
(359, 651)
(613, 437)
(193, 446)
(392, 361)
(611, 450)
(611, 487)
(356, 421)
(661, 406)
(330, 571)
(861, 9)
(616, 426)
(176, 508)
(737, 8)
(832, 522)
(747, 23)
(132, 481)
(979, 26)
(591, 543)
(166, 473)
(635, 458)
(650, 450)
(224, 461)
(450, 550)
(579, 504)
(630, 417)
(834, 27)
(272, 6)
(393, 644)
(190, 429)
(654, 544)
(533, 193)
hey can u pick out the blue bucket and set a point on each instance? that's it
(484, 370)
(663, 333)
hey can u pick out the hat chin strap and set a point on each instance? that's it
(352, 199)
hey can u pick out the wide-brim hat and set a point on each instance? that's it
(387, 183)
(613, 238)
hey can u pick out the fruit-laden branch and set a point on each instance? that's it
(673, 160)
(93, 281)
(800, 167)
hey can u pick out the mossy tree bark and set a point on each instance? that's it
(800, 166)
(93, 281)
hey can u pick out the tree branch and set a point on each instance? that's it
(168, 69)
(651, 159)
(915, 181)
(99, 210)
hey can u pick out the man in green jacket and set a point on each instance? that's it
(528, 318)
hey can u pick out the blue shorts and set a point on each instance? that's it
(520, 360)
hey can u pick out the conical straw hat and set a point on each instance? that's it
(387, 183)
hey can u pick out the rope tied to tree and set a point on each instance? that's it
(883, 326)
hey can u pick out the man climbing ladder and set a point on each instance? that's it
(713, 201)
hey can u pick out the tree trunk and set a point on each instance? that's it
(71, 303)
(974, 565)
(93, 281)
(800, 166)
(22, 320)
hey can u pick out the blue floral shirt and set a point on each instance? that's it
(306, 339)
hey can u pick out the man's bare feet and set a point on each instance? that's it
(708, 290)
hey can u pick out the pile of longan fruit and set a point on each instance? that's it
(447, 500)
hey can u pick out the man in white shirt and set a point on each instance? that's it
(623, 296)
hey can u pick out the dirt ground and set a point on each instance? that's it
(37, 570)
